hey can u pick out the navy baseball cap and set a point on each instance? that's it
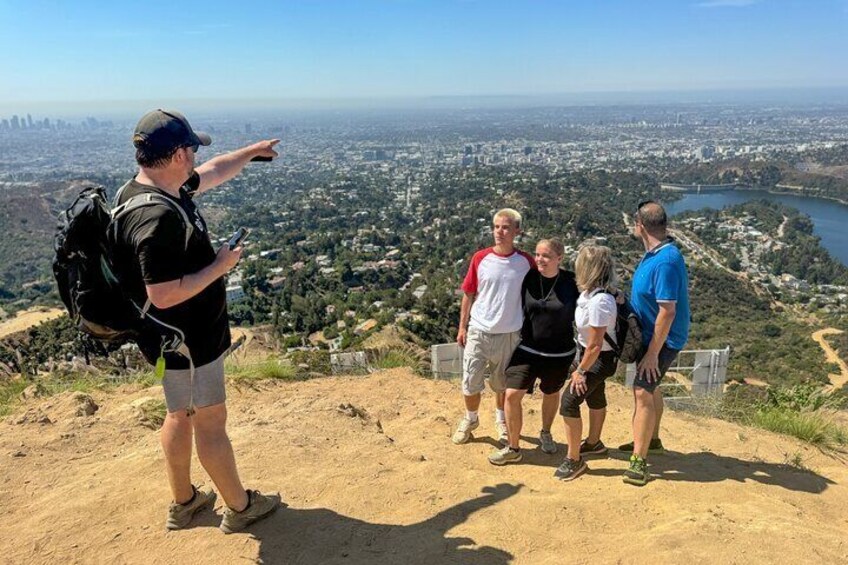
(167, 130)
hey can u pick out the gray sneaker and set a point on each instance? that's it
(258, 506)
(503, 434)
(180, 515)
(547, 442)
(505, 456)
(570, 469)
(464, 429)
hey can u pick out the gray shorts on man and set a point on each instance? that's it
(486, 352)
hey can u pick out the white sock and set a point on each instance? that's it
(500, 416)
(472, 416)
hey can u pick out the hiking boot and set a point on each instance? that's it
(258, 506)
(547, 442)
(593, 449)
(505, 456)
(503, 434)
(571, 469)
(180, 515)
(654, 448)
(464, 429)
(637, 473)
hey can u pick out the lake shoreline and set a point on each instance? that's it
(828, 220)
(801, 192)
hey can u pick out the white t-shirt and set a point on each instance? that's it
(596, 312)
(496, 280)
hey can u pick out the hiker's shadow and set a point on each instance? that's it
(320, 535)
(707, 467)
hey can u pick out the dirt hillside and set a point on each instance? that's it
(27, 319)
(378, 481)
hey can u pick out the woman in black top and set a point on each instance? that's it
(549, 297)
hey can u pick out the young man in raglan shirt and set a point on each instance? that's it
(490, 320)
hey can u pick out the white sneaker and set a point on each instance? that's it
(503, 434)
(464, 429)
(505, 456)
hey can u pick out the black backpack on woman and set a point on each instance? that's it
(628, 334)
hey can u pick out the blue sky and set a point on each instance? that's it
(128, 50)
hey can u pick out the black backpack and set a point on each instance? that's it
(84, 273)
(628, 334)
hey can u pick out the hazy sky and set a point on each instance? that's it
(127, 50)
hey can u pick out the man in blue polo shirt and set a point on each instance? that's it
(660, 299)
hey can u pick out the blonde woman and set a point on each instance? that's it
(546, 350)
(595, 319)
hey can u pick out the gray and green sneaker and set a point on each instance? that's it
(546, 442)
(180, 515)
(258, 506)
(637, 473)
(654, 448)
(505, 456)
(571, 469)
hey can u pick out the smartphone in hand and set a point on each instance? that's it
(238, 237)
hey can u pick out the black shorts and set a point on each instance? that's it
(665, 358)
(595, 395)
(525, 367)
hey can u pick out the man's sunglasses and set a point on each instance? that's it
(193, 148)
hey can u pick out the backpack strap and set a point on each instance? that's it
(148, 199)
(611, 343)
(607, 337)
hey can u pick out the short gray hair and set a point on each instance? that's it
(653, 217)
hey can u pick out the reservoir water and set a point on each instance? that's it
(830, 219)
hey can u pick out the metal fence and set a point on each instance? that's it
(701, 372)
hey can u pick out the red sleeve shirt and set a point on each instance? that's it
(496, 281)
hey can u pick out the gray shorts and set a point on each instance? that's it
(484, 351)
(665, 359)
(208, 386)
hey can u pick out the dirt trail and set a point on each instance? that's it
(389, 487)
(836, 381)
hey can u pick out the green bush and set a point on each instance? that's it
(812, 427)
(802, 397)
(267, 369)
(10, 390)
(393, 358)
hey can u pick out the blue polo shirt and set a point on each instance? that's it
(662, 276)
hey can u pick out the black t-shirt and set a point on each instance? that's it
(549, 311)
(151, 249)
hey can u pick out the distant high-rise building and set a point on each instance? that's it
(29, 121)
(4, 125)
(705, 152)
(16, 123)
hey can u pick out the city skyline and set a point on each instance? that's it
(381, 49)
